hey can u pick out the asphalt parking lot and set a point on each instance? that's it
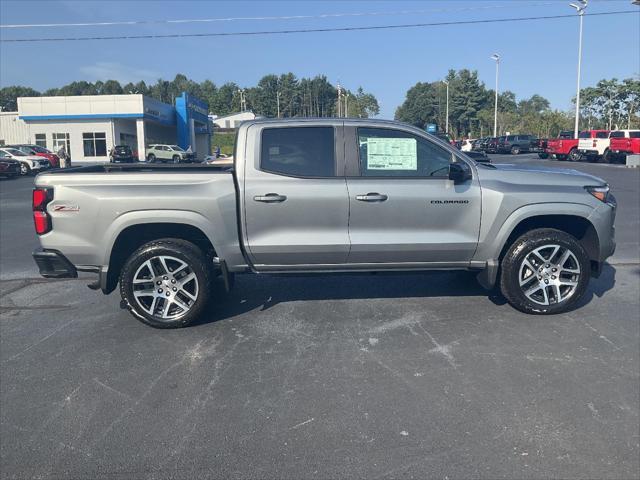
(378, 376)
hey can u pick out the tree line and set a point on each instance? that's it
(296, 97)
(609, 104)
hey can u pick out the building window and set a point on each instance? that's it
(94, 144)
(61, 140)
(41, 140)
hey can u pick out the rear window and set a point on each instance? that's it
(617, 135)
(602, 134)
(298, 151)
(634, 134)
(511, 137)
(584, 135)
(567, 135)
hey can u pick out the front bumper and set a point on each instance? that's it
(53, 264)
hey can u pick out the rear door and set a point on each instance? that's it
(404, 209)
(295, 196)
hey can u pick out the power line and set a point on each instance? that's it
(311, 30)
(285, 17)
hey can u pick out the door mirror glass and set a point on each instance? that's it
(459, 172)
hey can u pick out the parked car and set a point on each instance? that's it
(168, 153)
(539, 145)
(594, 147)
(30, 149)
(467, 145)
(623, 143)
(492, 145)
(565, 146)
(478, 156)
(480, 144)
(287, 208)
(121, 154)
(8, 167)
(514, 144)
(28, 163)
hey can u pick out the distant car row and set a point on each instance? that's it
(155, 154)
(25, 159)
(591, 145)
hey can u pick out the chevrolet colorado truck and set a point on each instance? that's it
(322, 196)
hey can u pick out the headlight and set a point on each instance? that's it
(601, 193)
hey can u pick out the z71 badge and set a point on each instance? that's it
(66, 208)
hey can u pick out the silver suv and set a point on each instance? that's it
(168, 154)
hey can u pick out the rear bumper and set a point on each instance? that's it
(53, 264)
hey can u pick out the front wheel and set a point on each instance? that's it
(545, 271)
(151, 158)
(176, 159)
(166, 283)
(515, 150)
(24, 169)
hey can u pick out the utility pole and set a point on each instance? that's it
(339, 100)
(278, 100)
(243, 104)
(580, 11)
(346, 104)
(446, 127)
(496, 57)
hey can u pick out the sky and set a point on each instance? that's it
(538, 57)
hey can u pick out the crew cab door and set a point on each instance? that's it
(295, 202)
(404, 209)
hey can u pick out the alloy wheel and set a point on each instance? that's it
(549, 274)
(165, 287)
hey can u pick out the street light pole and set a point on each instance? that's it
(496, 57)
(580, 11)
(278, 100)
(446, 127)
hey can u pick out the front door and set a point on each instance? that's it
(404, 209)
(296, 204)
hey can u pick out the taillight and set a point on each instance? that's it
(594, 143)
(41, 219)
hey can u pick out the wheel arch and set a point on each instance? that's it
(131, 237)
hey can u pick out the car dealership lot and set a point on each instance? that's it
(382, 375)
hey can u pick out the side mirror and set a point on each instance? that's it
(459, 172)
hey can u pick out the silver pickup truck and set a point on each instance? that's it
(323, 195)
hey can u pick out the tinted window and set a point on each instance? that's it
(634, 134)
(617, 135)
(584, 135)
(299, 151)
(568, 135)
(510, 138)
(602, 135)
(394, 153)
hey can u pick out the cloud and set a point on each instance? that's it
(117, 71)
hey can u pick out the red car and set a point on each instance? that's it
(39, 151)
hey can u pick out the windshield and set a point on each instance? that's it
(39, 149)
(176, 148)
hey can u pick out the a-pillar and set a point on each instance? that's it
(142, 153)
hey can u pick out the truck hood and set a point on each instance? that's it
(525, 174)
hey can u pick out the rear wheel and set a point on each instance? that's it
(166, 283)
(151, 158)
(515, 150)
(545, 271)
(574, 155)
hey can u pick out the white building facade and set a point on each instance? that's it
(89, 126)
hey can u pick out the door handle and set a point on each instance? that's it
(270, 198)
(372, 197)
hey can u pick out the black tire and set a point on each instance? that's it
(574, 155)
(514, 258)
(607, 157)
(176, 159)
(24, 169)
(515, 150)
(151, 158)
(196, 263)
(561, 158)
(543, 155)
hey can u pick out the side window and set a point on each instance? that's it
(298, 151)
(617, 135)
(394, 153)
(602, 135)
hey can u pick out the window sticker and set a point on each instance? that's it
(392, 154)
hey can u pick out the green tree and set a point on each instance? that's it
(9, 96)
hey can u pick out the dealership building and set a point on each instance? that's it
(88, 126)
